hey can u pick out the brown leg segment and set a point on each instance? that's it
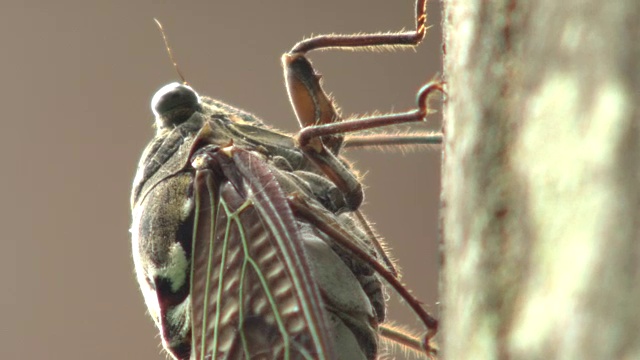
(322, 126)
(303, 209)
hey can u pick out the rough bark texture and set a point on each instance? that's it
(541, 180)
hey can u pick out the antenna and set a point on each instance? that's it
(166, 45)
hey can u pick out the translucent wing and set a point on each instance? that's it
(254, 293)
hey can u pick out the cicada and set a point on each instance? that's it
(248, 243)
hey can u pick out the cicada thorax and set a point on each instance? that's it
(220, 276)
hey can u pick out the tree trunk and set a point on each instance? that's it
(541, 180)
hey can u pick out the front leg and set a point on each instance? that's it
(323, 131)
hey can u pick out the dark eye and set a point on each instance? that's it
(173, 104)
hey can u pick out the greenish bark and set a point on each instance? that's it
(541, 180)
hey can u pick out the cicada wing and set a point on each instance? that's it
(253, 295)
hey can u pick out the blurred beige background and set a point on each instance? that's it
(78, 78)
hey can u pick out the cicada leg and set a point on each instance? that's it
(306, 135)
(306, 210)
(322, 128)
(322, 136)
(344, 179)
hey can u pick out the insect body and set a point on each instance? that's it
(213, 190)
(248, 243)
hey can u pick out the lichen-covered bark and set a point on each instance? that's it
(541, 180)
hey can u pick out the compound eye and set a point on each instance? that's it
(173, 104)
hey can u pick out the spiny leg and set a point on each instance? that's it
(340, 174)
(322, 126)
(382, 140)
(407, 340)
(310, 139)
(417, 138)
(322, 134)
(315, 109)
(306, 210)
(410, 38)
(310, 102)
(306, 135)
